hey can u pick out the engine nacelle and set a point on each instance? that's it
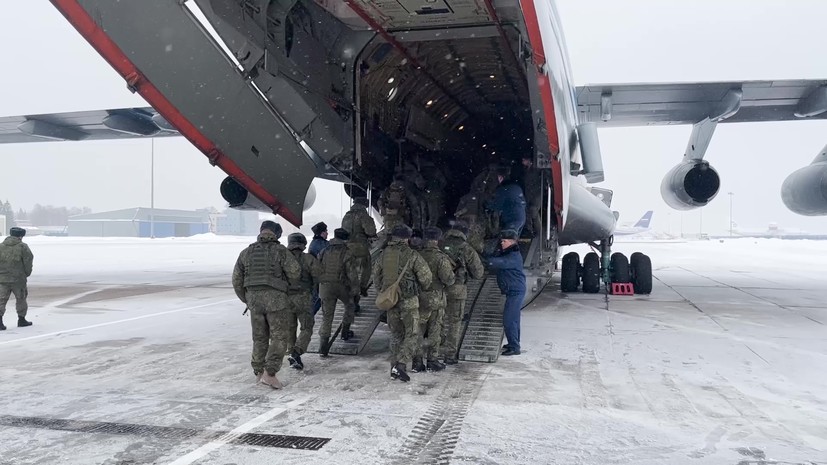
(805, 191)
(239, 198)
(691, 184)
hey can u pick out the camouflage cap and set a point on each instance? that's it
(401, 231)
(433, 234)
(271, 226)
(296, 240)
(341, 234)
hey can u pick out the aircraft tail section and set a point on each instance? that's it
(644, 221)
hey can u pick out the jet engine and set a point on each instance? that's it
(237, 196)
(805, 191)
(691, 184)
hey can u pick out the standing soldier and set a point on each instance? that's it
(318, 244)
(16, 261)
(361, 228)
(509, 202)
(468, 210)
(339, 281)
(393, 204)
(403, 319)
(511, 281)
(263, 273)
(466, 262)
(301, 299)
(432, 302)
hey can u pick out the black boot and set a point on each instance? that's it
(435, 365)
(2, 326)
(398, 372)
(295, 360)
(364, 292)
(324, 348)
(417, 365)
(21, 322)
(356, 307)
(347, 334)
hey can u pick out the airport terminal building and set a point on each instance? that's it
(137, 222)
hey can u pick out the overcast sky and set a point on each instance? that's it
(48, 67)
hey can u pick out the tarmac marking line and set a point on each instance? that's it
(99, 325)
(211, 446)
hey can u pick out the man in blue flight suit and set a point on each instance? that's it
(318, 244)
(510, 278)
(509, 202)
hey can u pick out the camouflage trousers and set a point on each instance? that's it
(330, 294)
(271, 331)
(362, 259)
(431, 312)
(20, 291)
(533, 221)
(403, 321)
(301, 313)
(452, 321)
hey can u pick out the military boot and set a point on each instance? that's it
(2, 326)
(295, 360)
(398, 372)
(356, 307)
(324, 349)
(417, 365)
(435, 365)
(21, 322)
(347, 334)
(258, 375)
(270, 380)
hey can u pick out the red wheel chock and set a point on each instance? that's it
(623, 289)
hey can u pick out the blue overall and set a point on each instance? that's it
(509, 201)
(511, 281)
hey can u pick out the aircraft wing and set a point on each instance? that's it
(623, 105)
(122, 123)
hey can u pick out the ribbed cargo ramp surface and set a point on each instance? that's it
(482, 340)
(363, 327)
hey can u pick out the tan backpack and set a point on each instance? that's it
(389, 297)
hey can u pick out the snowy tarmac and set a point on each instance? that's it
(139, 354)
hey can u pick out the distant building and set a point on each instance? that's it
(237, 223)
(136, 222)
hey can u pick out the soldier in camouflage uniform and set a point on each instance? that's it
(403, 318)
(339, 282)
(469, 210)
(358, 223)
(301, 299)
(16, 261)
(393, 204)
(466, 262)
(263, 273)
(432, 302)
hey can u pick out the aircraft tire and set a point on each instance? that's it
(569, 281)
(591, 273)
(634, 257)
(620, 268)
(642, 274)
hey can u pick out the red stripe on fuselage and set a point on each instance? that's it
(543, 81)
(93, 34)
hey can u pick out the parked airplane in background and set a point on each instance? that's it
(642, 225)
(276, 93)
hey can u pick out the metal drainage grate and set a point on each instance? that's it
(166, 432)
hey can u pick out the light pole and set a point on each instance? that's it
(152, 191)
(730, 212)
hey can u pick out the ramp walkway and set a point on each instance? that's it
(483, 334)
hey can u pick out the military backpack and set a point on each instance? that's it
(333, 264)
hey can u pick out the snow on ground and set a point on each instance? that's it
(723, 363)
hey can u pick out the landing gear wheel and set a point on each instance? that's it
(620, 268)
(642, 274)
(569, 281)
(591, 273)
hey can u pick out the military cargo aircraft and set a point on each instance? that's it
(278, 92)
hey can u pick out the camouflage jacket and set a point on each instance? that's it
(466, 260)
(361, 227)
(339, 266)
(390, 263)
(311, 272)
(440, 266)
(16, 261)
(280, 271)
